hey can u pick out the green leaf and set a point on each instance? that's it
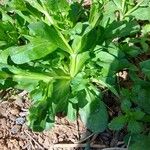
(84, 37)
(77, 62)
(126, 105)
(95, 13)
(145, 65)
(50, 33)
(31, 51)
(79, 82)
(56, 5)
(121, 29)
(9, 35)
(41, 116)
(105, 82)
(75, 13)
(109, 13)
(118, 123)
(71, 113)
(146, 29)
(24, 79)
(94, 114)
(141, 97)
(140, 12)
(142, 144)
(118, 3)
(60, 95)
(135, 127)
(18, 4)
(138, 115)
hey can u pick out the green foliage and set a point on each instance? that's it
(65, 55)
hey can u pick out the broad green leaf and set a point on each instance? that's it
(140, 12)
(141, 96)
(60, 95)
(24, 79)
(35, 4)
(9, 35)
(121, 29)
(132, 51)
(145, 65)
(72, 112)
(142, 144)
(109, 13)
(41, 116)
(4, 75)
(104, 81)
(118, 123)
(41, 90)
(18, 4)
(138, 115)
(59, 10)
(146, 29)
(76, 12)
(77, 62)
(31, 51)
(144, 2)
(50, 33)
(118, 3)
(94, 114)
(135, 127)
(95, 14)
(125, 105)
(56, 5)
(79, 82)
(83, 37)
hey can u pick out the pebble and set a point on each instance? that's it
(12, 118)
(15, 129)
(18, 101)
(23, 114)
(14, 111)
(20, 121)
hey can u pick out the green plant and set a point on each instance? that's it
(65, 56)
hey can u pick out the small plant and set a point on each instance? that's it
(65, 56)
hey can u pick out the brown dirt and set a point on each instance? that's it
(15, 135)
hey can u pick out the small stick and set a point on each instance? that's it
(84, 139)
(33, 140)
(129, 142)
(76, 146)
(23, 93)
(93, 138)
(115, 148)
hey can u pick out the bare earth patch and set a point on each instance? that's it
(15, 134)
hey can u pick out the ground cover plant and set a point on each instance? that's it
(67, 56)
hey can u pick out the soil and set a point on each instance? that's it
(15, 134)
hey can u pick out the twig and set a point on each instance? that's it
(93, 138)
(23, 93)
(33, 140)
(129, 142)
(31, 144)
(76, 146)
(84, 139)
(26, 146)
(115, 148)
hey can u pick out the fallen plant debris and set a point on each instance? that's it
(68, 57)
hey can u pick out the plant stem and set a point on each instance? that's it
(123, 6)
(73, 64)
(133, 9)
